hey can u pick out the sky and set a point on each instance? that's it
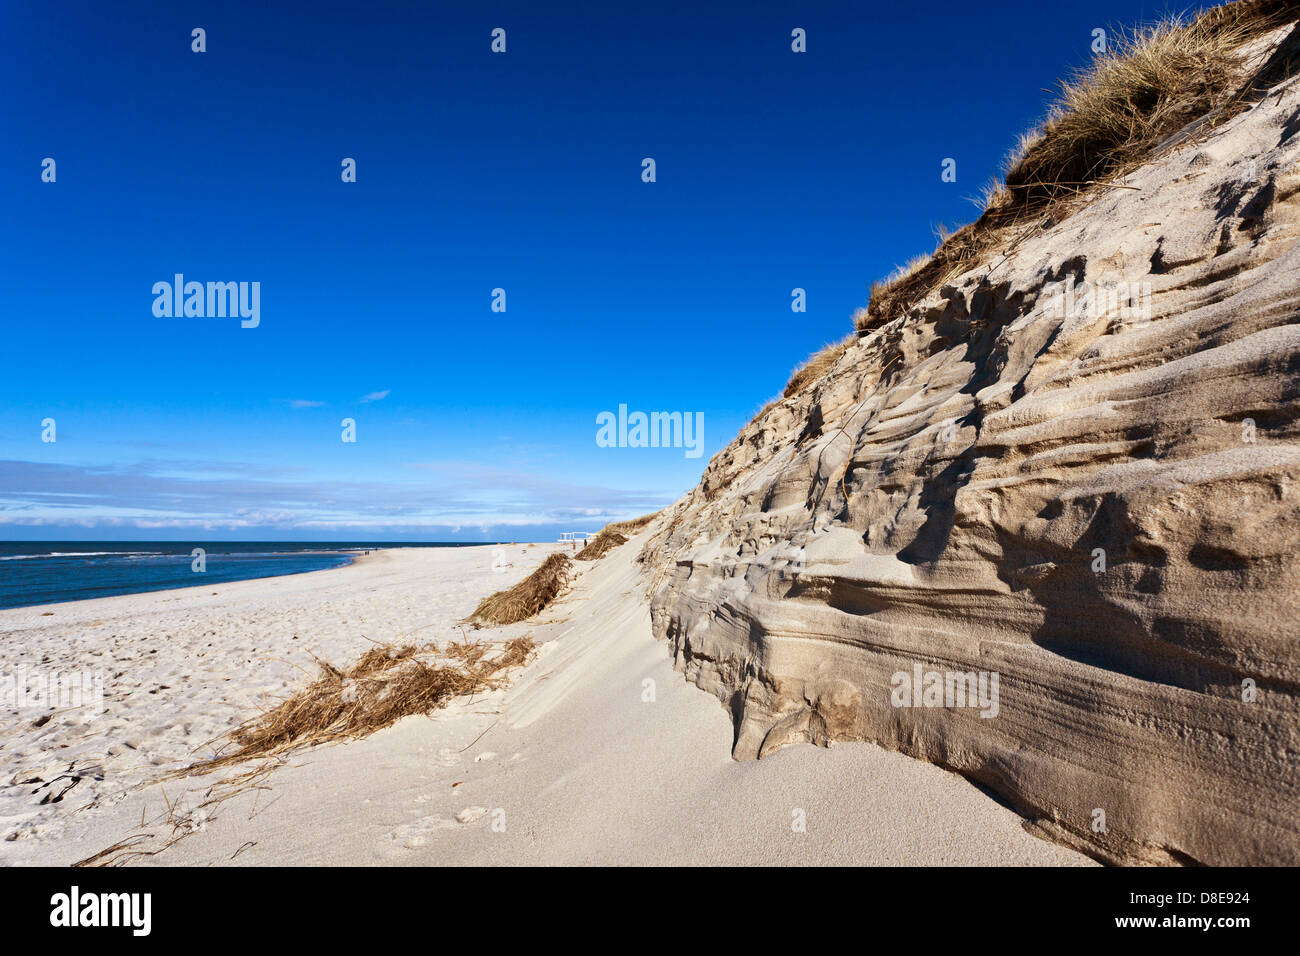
(476, 170)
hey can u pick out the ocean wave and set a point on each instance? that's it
(78, 554)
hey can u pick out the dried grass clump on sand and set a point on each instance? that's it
(382, 686)
(607, 540)
(815, 367)
(611, 536)
(634, 524)
(1108, 119)
(528, 596)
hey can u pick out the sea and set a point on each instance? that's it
(46, 572)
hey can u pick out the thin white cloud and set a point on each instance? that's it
(304, 403)
(376, 396)
(228, 495)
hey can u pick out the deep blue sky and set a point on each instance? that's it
(476, 170)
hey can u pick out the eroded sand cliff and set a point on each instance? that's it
(1096, 501)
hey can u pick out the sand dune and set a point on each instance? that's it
(579, 761)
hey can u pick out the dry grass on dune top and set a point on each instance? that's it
(611, 536)
(632, 524)
(1150, 84)
(1109, 118)
(529, 596)
(381, 687)
(604, 542)
(815, 367)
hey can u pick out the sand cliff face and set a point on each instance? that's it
(1074, 469)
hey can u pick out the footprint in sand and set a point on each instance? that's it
(411, 836)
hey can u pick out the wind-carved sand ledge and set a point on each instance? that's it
(578, 760)
(1102, 509)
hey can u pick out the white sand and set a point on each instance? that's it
(181, 667)
(569, 765)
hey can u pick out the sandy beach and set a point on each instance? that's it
(181, 667)
(597, 752)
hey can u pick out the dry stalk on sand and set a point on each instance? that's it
(382, 686)
(529, 596)
(385, 684)
(178, 820)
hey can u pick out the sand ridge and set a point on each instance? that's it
(598, 752)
